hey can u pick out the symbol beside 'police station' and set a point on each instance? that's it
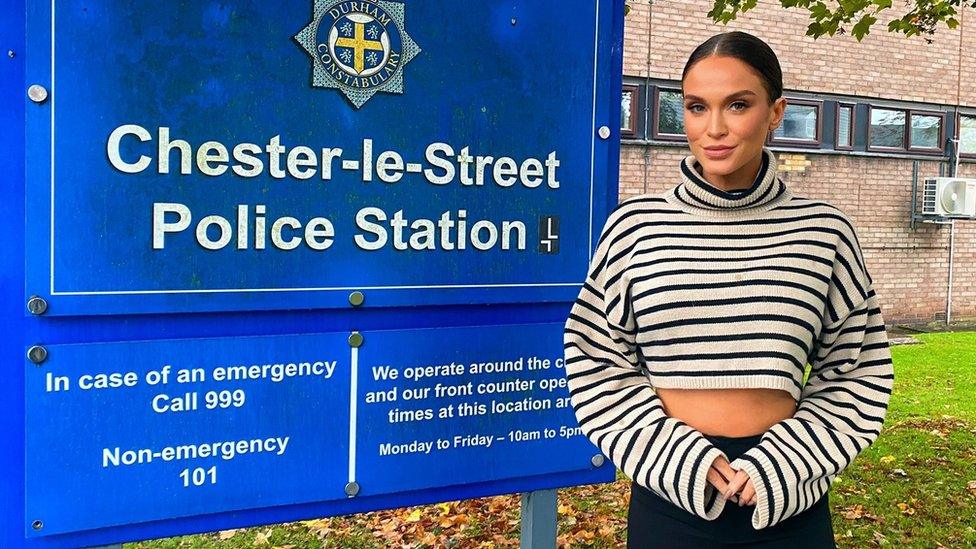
(358, 47)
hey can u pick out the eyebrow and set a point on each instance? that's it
(736, 94)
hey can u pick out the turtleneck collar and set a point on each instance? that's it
(696, 194)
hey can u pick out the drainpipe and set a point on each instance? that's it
(647, 98)
(955, 170)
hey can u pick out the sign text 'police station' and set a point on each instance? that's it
(259, 227)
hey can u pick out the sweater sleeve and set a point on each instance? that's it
(614, 403)
(842, 406)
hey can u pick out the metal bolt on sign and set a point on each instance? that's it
(37, 93)
(352, 488)
(37, 354)
(597, 460)
(36, 305)
(356, 298)
(604, 132)
(37, 525)
(355, 339)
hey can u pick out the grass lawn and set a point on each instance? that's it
(915, 487)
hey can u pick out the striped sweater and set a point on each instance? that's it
(697, 287)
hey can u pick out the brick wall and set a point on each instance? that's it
(910, 267)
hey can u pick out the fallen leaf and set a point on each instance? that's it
(853, 512)
(906, 509)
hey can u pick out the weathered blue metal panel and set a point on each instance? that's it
(173, 428)
(174, 131)
(513, 79)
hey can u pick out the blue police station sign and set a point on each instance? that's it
(194, 159)
(294, 259)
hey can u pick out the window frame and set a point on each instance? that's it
(942, 130)
(792, 141)
(958, 136)
(635, 98)
(655, 124)
(853, 123)
(906, 138)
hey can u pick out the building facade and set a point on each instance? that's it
(863, 120)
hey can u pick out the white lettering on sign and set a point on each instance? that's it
(451, 231)
(226, 450)
(213, 158)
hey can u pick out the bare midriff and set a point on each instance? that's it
(728, 412)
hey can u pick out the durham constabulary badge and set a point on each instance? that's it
(358, 47)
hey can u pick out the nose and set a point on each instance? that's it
(716, 125)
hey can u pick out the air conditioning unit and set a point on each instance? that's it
(949, 197)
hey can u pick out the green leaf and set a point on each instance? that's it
(819, 11)
(863, 27)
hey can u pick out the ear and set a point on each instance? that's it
(779, 110)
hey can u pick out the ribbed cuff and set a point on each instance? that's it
(761, 471)
(692, 481)
(701, 485)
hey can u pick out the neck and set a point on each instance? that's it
(740, 179)
(698, 195)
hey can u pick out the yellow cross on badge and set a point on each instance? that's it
(359, 45)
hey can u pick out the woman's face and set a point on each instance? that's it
(726, 105)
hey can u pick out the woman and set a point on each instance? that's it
(686, 349)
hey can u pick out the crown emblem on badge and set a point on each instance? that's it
(358, 47)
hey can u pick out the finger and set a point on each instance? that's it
(747, 493)
(724, 468)
(717, 480)
(736, 484)
(718, 471)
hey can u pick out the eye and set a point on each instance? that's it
(743, 103)
(692, 107)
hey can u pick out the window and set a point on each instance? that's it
(669, 117)
(966, 132)
(887, 129)
(926, 131)
(800, 124)
(905, 130)
(845, 127)
(629, 101)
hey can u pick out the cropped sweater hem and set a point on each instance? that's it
(716, 382)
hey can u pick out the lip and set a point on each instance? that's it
(717, 153)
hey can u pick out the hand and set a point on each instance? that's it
(719, 474)
(742, 481)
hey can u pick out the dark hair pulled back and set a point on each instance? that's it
(746, 48)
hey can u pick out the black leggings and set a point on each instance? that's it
(654, 522)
